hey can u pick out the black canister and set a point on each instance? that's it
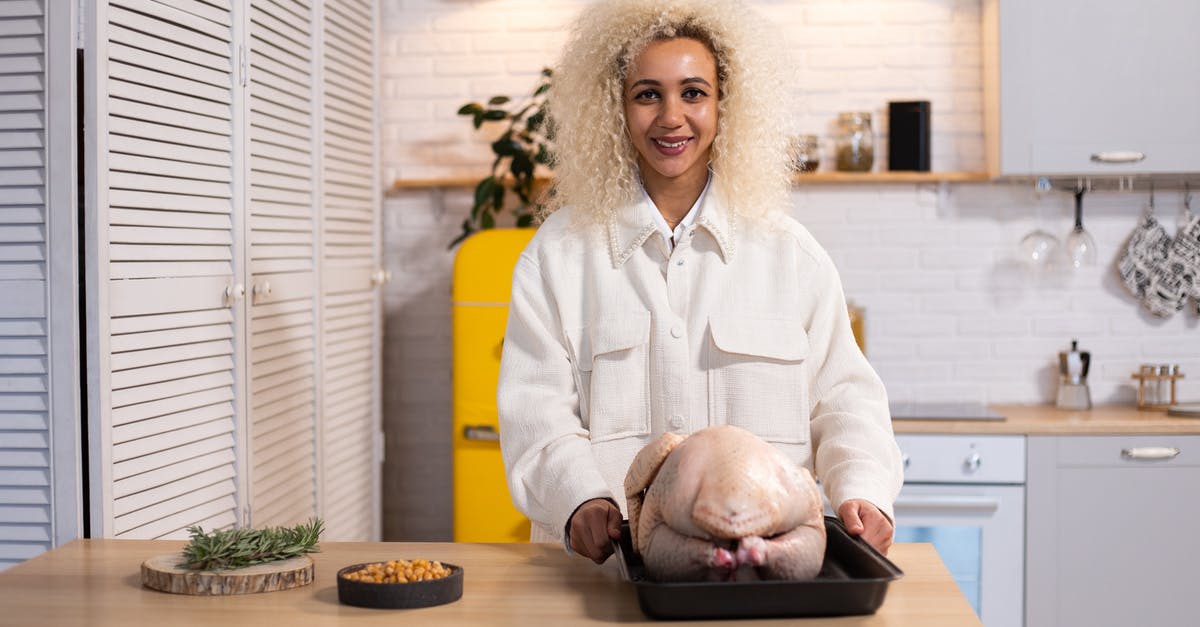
(908, 135)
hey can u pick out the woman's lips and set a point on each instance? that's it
(671, 146)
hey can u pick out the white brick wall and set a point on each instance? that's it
(951, 314)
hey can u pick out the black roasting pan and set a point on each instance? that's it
(853, 580)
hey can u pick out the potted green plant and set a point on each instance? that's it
(521, 148)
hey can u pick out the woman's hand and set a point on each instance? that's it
(594, 526)
(862, 518)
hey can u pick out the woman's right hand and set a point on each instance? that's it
(594, 525)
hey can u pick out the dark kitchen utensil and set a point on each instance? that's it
(400, 595)
(1081, 248)
(853, 580)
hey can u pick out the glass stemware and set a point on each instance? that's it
(1038, 247)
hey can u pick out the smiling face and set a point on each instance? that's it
(671, 112)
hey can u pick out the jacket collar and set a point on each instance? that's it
(631, 225)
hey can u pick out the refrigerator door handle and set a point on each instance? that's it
(481, 433)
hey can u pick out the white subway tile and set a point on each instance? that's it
(469, 65)
(433, 43)
(841, 14)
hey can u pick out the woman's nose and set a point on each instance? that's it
(671, 113)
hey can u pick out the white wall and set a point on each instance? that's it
(951, 314)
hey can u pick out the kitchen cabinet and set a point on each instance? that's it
(1109, 536)
(232, 265)
(1070, 84)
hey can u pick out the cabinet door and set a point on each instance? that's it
(1110, 539)
(280, 228)
(349, 262)
(161, 109)
(1079, 78)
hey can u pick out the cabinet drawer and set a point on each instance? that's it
(1128, 451)
(963, 458)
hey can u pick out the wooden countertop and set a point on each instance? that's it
(96, 582)
(1049, 420)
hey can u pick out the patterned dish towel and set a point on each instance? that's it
(1145, 271)
(1183, 259)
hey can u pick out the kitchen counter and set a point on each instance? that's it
(1049, 420)
(96, 582)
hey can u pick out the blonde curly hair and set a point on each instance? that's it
(596, 164)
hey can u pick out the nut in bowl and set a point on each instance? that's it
(400, 584)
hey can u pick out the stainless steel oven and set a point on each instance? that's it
(966, 495)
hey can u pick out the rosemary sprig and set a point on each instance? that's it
(225, 549)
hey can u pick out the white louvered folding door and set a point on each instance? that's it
(350, 255)
(283, 295)
(39, 416)
(233, 298)
(163, 211)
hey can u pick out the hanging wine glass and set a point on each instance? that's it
(1081, 248)
(1038, 246)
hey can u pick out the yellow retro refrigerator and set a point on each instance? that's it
(482, 282)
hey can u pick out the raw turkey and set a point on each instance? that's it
(723, 505)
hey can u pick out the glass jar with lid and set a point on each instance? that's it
(855, 142)
(806, 153)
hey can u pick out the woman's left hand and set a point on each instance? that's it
(862, 518)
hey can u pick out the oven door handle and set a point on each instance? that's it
(957, 503)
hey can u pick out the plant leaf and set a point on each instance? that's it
(498, 198)
(466, 232)
(487, 221)
(495, 114)
(543, 88)
(506, 146)
(533, 122)
(498, 100)
(483, 190)
(525, 220)
(471, 108)
(521, 166)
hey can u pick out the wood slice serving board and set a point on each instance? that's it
(162, 573)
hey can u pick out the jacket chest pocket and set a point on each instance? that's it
(612, 362)
(758, 376)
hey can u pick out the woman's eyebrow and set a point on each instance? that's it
(655, 83)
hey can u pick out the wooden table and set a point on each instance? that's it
(96, 582)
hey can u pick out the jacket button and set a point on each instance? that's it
(677, 330)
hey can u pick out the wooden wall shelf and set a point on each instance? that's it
(890, 177)
(819, 178)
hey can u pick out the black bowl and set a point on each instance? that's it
(448, 589)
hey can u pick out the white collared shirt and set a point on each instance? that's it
(674, 235)
(614, 339)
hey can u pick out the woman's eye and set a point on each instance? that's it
(693, 93)
(648, 94)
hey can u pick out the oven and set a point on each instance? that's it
(965, 494)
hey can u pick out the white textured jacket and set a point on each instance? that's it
(613, 339)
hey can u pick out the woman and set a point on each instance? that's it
(670, 291)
